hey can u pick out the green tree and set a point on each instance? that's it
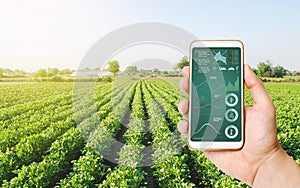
(278, 71)
(41, 73)
(165, 72)
(156, 71)
(254, 70)
(8, 72)
(264, 69)
(65, 71)
(19, 73)
(113, 67)
(182, 63)
(52, 71)
(131, 70)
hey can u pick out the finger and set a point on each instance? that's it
(258, 92)
(183, 108)
(186, 71)
(184, 85)
(183, 127)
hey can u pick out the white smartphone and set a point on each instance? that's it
(216, 95)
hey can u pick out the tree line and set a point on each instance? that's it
(263, 69)
(49, 72)
(114, 68)
(52, 72)
(266, 69)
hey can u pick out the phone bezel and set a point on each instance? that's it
(216, 145)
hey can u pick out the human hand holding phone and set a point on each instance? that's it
(261, 161)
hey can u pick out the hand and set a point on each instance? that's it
(261, 146)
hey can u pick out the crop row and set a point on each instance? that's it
(32, 148)
(40, 121)
(86, 106)
(168, 101)
(21, 94)
(36, 145)
(170, 165)
(53, 166)
(26, 110)
(89, 169)
(19, 111)
(127, 173)
(34, 121)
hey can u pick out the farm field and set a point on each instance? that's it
(52, 138)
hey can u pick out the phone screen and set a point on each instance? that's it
(216, 94)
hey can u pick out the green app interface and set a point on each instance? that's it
(216, 94)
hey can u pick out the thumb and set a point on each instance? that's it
(258, 92)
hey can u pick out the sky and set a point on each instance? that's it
(54, 33)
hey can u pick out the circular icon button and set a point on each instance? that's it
(231, 131)
(231, 115)
(231, 99)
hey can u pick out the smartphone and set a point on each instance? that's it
(216, 95)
